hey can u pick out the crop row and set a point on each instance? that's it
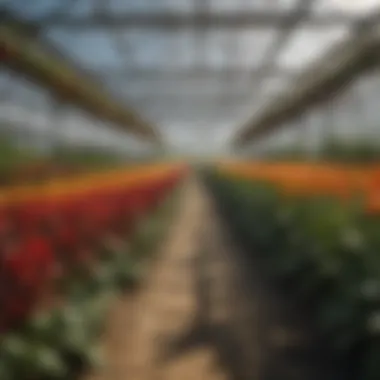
(65, 247)
(299, 178)
(322, 248)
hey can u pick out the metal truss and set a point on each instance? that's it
(203, 20)
(198, 20)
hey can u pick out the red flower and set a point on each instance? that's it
(66, 238)
(17, 309)
(31, 262)
(28, 268)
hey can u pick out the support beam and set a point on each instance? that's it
(29, 57)
(136, 73)
(191, 101)
(199, 20)
(303, 11)
(328, 76)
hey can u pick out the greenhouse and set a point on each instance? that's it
(189, 189)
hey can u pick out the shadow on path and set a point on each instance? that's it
(203, 332)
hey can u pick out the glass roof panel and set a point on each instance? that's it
(91, 49)
(151, 6)
(186, 6)
(141, 6)
(359, 8)
(248, 46)
(34, 8)
(157, 49)
(80, 7)
(185, 74)
(241, 5)
(308, 45)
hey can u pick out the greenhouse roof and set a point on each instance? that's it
(195, 69)
(327, 77)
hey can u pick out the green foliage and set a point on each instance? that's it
(56, 344)
(12, 156)
(14, 159)
(84, 157)
(354, 151)
(325, 252)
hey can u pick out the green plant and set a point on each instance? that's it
(324, 250)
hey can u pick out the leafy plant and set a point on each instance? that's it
(325, 249)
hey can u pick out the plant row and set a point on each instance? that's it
(344, 181)
(62, 260)
(323, 251)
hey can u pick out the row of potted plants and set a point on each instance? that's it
(342, 180)
(324, 251)
(62, 260)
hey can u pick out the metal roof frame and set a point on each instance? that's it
(202, 19)
(199, 20)
(327, 77)
(24, 53)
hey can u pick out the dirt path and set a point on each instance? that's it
(200, 316)
(143, 331)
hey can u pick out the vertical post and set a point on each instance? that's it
(302, 132)
(6, 95)
(328, 126)
(375, 127)
(359, 114)
(307, 135)
(53, 140)
(362, 128)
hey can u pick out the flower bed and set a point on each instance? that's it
(63, 258)
(324, 251)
